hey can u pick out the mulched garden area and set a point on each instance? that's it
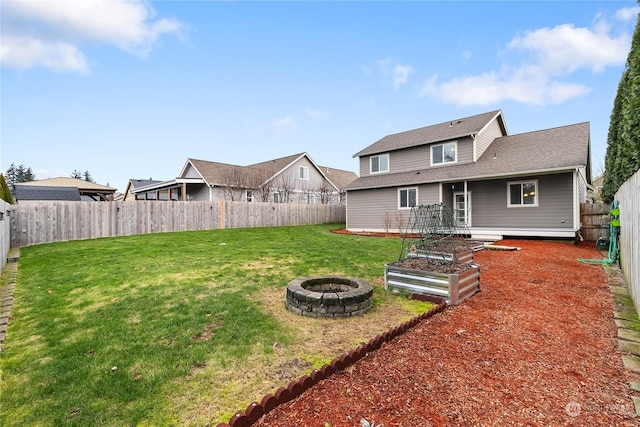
(536, 347)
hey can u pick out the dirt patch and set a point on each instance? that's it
(537, 346)
(429, 264)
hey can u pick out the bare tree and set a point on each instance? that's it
(236, 181)
(386, 221)
(284, 186)
(400, 221)
(325, 191)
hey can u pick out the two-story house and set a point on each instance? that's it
(530, 184)
(291, 179)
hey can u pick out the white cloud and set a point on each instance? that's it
(401, 75)
(53, 30)
(564, 48)
(628, 14)
(30, 52)
(548, 56)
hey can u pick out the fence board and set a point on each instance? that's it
(35, 223)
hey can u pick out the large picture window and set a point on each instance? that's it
(380, 163)
(407, 198)
(522, 194)
(444, 153)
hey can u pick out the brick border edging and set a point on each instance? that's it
(283, 395)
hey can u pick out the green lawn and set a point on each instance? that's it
(177, 329)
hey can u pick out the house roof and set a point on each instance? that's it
(137, 183)
(562, 148)
(255, 175)
(42, 192)
(435, 133)
(340, 178)
(80, 184)
(215, 173)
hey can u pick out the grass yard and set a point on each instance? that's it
(180, 328)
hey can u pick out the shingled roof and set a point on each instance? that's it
(46, 193)
(435, 133)
(219, 173)
(550, 150)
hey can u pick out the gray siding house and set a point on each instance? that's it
(528, 185)
(292, 179)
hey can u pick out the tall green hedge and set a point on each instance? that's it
(622, 159)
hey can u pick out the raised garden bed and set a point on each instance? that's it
(464, 256)
(451, 280)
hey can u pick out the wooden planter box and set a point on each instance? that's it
(465, 257)
(455, 288)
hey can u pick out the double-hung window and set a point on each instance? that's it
(444, 153)
(407, 198)
(522, 194)
(249, 196)
(303, 172)
(379, 163)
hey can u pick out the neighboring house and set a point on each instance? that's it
(291, 179)
(138, 183)
(529, 184)
(596, 189)
(40, 193)
(56, 187)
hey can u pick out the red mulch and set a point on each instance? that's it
(536, 347)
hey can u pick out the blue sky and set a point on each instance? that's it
(132, 89)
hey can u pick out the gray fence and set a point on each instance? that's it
(629, 197)
(5, 231)
(34, 223)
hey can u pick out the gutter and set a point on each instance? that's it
(472, 178)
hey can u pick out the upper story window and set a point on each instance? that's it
(304, 172)
(522, 194)
(407, 198)
(249, 196)
(379, 163)
(444, 153)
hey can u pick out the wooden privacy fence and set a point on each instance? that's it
(628, 197)
(594, 220)
(5, 231)
(35, 223)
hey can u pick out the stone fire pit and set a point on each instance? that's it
(329, 296)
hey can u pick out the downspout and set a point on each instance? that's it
(576, 201)
(466, 205)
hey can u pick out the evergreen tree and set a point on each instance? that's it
(87, 176)
(623, 151)
(16, 174)
(76, 174)
(5, 193)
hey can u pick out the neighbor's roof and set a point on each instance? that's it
(435, 133)
(42, 192)
(216, 173)
(557, 149)
(80, 184)
(340, 178)
(137, 183)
